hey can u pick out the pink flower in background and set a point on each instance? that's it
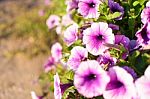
(71, 4)
(143, 35)
(41, 12)
(59, 29)
(106, 60)
(47, 2)
(49, 64)
(56, 51)
(97, 36)
(78, 54)
(57, 89)
(89, 8)
(90, 79)
(143, 84)
(66, 20)
(70, 35)
(53, 21)
(121, 85)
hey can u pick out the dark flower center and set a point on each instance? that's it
(91, 76)
(92, 5)
(99, 37)
(114, 85)
(53, 21)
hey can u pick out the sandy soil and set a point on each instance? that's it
(18, 72)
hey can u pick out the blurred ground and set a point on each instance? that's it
(21, 53)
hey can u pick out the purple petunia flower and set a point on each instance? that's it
(56, 51)
(41, 12)
(106, 60)
(34, 96)
(130, 71)
(145, 15)
(78, 54)
(121, 84)
(49, 64)
(97, 36)
(143, 35)
(143, 84)
(113, 26)
(70, 35)
(53, 21)
(90, 79)
(115, 7)
(122, 39)
(72, 4)
(89, 8)
(57, 89)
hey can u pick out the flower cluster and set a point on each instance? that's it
(105, 56)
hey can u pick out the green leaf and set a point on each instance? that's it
(69, 92)
(69, 75)
(135, 3)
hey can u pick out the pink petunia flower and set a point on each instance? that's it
(56, 51)
(34, 96)
(145, 15)
(57, 89)
(121, 84)
(89, 8)
(97, 36)
(143, 85)
(70, 35)
(66, 20)
(49, 64)
(53, 21)
(90, 79)
(71, 4)
(78, 54)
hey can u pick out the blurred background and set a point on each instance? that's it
(25, 42)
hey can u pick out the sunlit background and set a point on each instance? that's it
(25, 45)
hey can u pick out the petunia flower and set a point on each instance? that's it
(49, 64)
(145, 15)
(41, 12)
(53, 21)
(130, 71)
(143, 35)
(113, 26)
(71, 4)
(56, 51)
(97, 36)
(34, 96)
(70, 35)
(143, 84)
(106, 60)
(90, 79)
(57, 89)
(89, 8)
(78, 54)
(115, 7)
(121, 84)
(47, 2)
(66, 20)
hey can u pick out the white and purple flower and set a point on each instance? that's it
(49, 64)
(72, 4)
(121, 84)
(145, 15)
(143, 85)
(90, 79)
(97, 36)
(53, 21)
(57, 89)
(143, 35)
(78, 54)
(71, 34)
(34, 96)
(56, 51)
(106, 60)
(89, 8)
